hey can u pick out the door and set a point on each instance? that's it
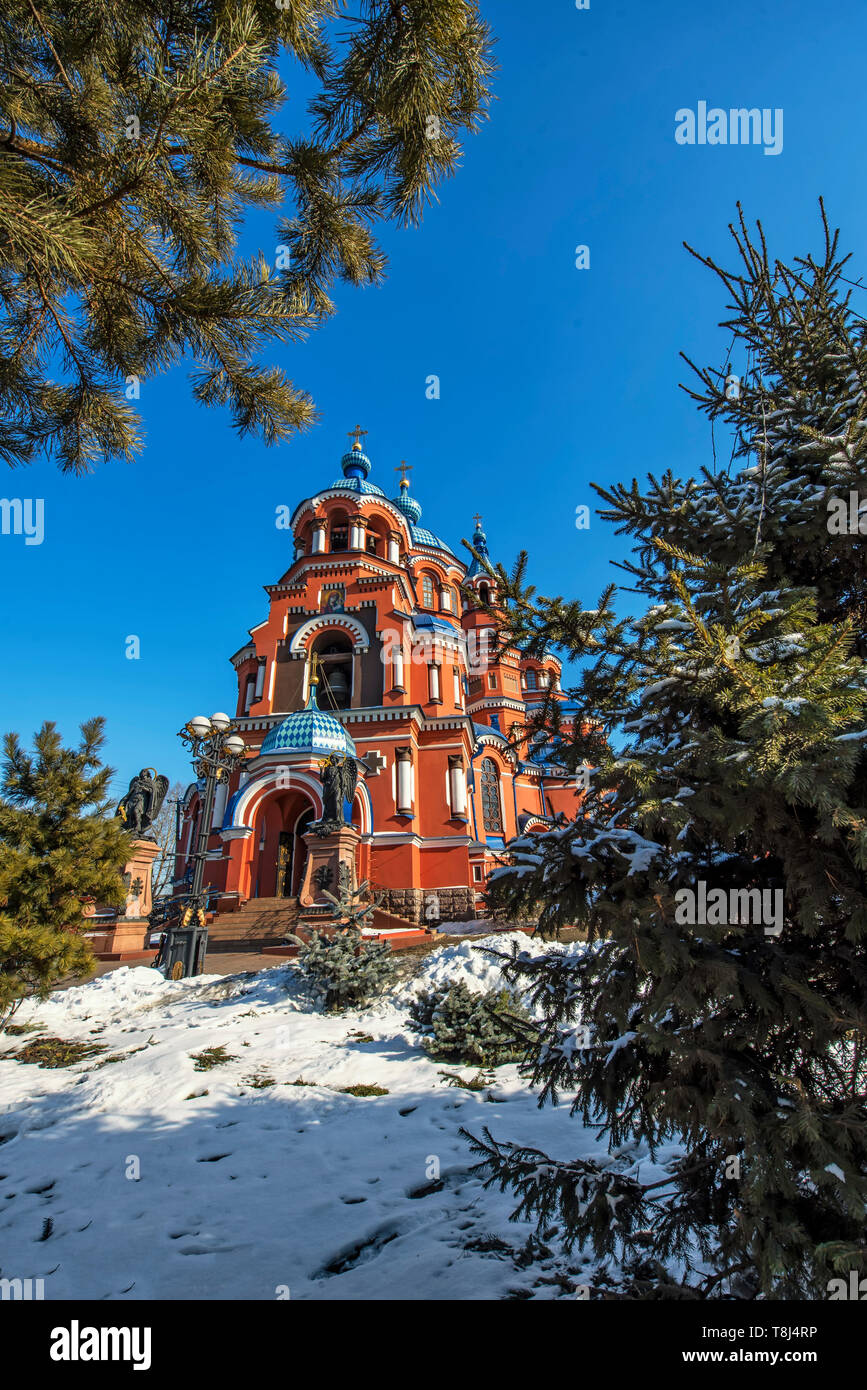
(284, 865)
(303, 824)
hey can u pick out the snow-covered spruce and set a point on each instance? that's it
(725, 729)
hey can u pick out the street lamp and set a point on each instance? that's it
(217, 750)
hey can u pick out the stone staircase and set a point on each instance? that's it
(260, 922)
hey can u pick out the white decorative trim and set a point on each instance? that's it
(395, 837)
(328, 620)
(255, 792)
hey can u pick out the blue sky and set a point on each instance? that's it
(550, 376)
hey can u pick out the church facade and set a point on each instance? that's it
(374, 646)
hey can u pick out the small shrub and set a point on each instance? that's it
(344, 971)
(363, 1091)
(211, 1057)
(480, 1082)
(460, 1026)
(56, 1052)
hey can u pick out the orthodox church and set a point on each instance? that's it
(373, 647)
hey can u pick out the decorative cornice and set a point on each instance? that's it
(496, 702)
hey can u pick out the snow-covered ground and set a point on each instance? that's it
(247, 1190)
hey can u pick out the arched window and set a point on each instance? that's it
(456, 602)
(375, 543)
(334, 651)
(484, 594)
(491, 813)
(427, 591)
(531, 680)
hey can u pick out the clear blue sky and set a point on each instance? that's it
(550, 376)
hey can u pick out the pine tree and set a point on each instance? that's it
(462, 1025)
(135, 140)
(59, 845)
(341, 967)
(726, 730)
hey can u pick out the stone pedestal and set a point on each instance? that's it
(325, 854)
(127, 936)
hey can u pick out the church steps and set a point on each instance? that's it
(260, 922)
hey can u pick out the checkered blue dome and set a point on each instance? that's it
(421, 536)
(309, 731)
(355, 463)
(410, 506)
(359, 485)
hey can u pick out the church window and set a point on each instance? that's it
(339, 538)
(531, 680)
(491, 814)
(427, 591)
(456, 602)
(492, 680)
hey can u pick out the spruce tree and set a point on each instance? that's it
(725, 728)
(134, 141)
(60, 844)
(463, 1025)
(341, 967)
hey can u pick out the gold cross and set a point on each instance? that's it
(403, 470)
(357, 434)
(478, 518)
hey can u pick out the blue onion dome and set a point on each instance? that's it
(355, 463)
(310, 730)
(408, 505)
(480, 544)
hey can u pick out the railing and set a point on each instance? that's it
(166, 910)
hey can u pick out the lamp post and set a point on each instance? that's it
(217, 750)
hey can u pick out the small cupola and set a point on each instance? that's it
(408, 505)
(355, 463)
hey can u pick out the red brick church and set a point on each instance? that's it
(405, 681)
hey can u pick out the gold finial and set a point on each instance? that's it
(403, 470)
(478, 519)
(314, 669)
(358, 433)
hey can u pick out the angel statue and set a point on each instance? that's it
(140, 807)
(338, 777)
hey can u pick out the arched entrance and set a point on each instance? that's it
(292, 856)
(280, 849)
